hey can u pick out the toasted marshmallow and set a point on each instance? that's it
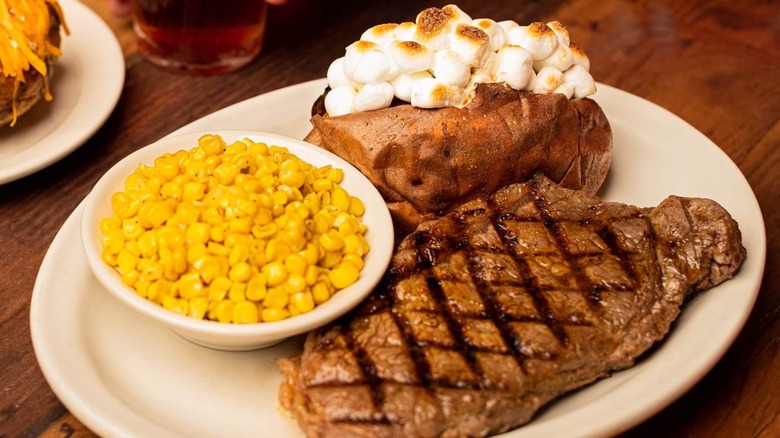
(489, 66)
(455, 15)
(405, 31)
(431, 93)
(471, 43)
(579, 57)
(580, 80)
(439, 59)
(374, 96)
(537, 38)
(449, 68)
(564, 89)
(515, 66)
(507, 26)
(547, 80)
(561, 59)
(339, 101)
(411, 56)
(366, 62)
(493, 31)
(336, 77)
(382, 34)
(404, 83)
(560, 31)
(432, 29)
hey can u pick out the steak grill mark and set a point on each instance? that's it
(426, 260)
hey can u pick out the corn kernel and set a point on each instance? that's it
(303, 301)
(271, 315)
(245, 312)
(330, 259)
(275, 273)
(343, 275)
(237, 292)
(198, 232)
(191, 286)
(147, 243)
(176, 305)
(226, 173)
(340, 199)
(256, 289)
(321, 185)
(131, 229)
(198, 307)
(239, 254)
(224, 311)
(320, 292)
(276, 298)
(331, 241)
(295, 263)
(334, 174)
(110, 224)
(219, 287)
(356, 206)
(353, 259)
(295, 283)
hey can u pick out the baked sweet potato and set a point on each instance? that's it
(425, 161)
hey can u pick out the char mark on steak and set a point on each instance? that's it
(504, 304)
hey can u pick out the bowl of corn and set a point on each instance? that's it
(236, 240)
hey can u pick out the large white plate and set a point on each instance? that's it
(87, 82)
(125, 376)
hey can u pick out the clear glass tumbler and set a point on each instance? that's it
(200, 36)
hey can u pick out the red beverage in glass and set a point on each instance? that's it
(200, 36)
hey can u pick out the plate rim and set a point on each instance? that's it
(636, 412)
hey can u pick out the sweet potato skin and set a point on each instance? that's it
(425, 161)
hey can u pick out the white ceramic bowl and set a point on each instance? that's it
(240, 336)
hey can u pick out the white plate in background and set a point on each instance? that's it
(124, 376)
(87, 82)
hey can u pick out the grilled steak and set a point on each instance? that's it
(503, 305)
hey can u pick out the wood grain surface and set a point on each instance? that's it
(716, 64)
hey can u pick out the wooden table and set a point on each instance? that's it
(716, 64)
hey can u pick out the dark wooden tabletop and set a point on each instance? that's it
(714, 63)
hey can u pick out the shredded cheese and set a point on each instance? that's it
(24, 43)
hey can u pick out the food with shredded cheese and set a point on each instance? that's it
(25, 45)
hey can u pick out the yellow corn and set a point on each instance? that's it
(224, 311)
(218, 289)
(303, 301)
(191, 286)
(245, 312)
(340, 199)
(295, 283)
(238, 254)
(276, 298)
(237, 292)
(256, 288)
(331, 241)
(198, 307)
(238, 233)
(343, 275)
(354, 260)
(271, 315)
(174, 304)
(295, 263)
(275, 273)
(320, 292)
